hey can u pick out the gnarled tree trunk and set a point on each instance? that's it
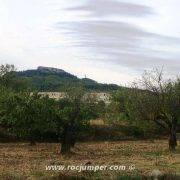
(172, 138)
(69, 133)
(68, 138)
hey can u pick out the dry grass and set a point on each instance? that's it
(98, 122)
(21, 161)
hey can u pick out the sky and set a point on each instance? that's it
(110, 41)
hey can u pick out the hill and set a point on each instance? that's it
(53, 79)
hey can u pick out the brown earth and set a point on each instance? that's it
(21, 161)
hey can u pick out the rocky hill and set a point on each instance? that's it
(53, 79)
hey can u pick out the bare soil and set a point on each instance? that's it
(21, 161)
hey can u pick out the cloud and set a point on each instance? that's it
(112, 7)
(123, 44)
(93, 37)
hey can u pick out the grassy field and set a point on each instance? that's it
(21, 161)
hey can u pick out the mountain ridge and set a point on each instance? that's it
(54, 79)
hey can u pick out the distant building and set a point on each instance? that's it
(105, 97)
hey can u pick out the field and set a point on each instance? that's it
(21, 161)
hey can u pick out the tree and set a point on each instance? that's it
(117, 110)
(155, 100)
(5, 69)
(74, 112)
(9, 79)
(27, 115)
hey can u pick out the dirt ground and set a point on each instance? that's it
(21, 161)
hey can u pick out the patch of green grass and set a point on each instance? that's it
(125, 176)
(127, 151)
(12, 176)
(37, 174)
(153, 153)
(94, 175)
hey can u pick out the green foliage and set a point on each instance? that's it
(27, 115)
(119, 110)
(51, 79)
(151, 101)
(9, 79)
(30, 116)
(74, 112)
(77, 108)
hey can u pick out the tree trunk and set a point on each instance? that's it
(66, 140)
(73, 135)
(73, 140)
(32, 143)
(69, 133)
(172, 138)
(65, 148)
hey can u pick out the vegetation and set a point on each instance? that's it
(74, 112)
(52, 79)
(27, 115)
(148, 109)
(152, 100)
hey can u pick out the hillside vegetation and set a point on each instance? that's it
(52, 79)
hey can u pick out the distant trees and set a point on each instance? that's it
(8, 78)
(118, 109)
(50, 79)
(6, 75)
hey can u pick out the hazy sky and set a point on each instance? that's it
(110, 41)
